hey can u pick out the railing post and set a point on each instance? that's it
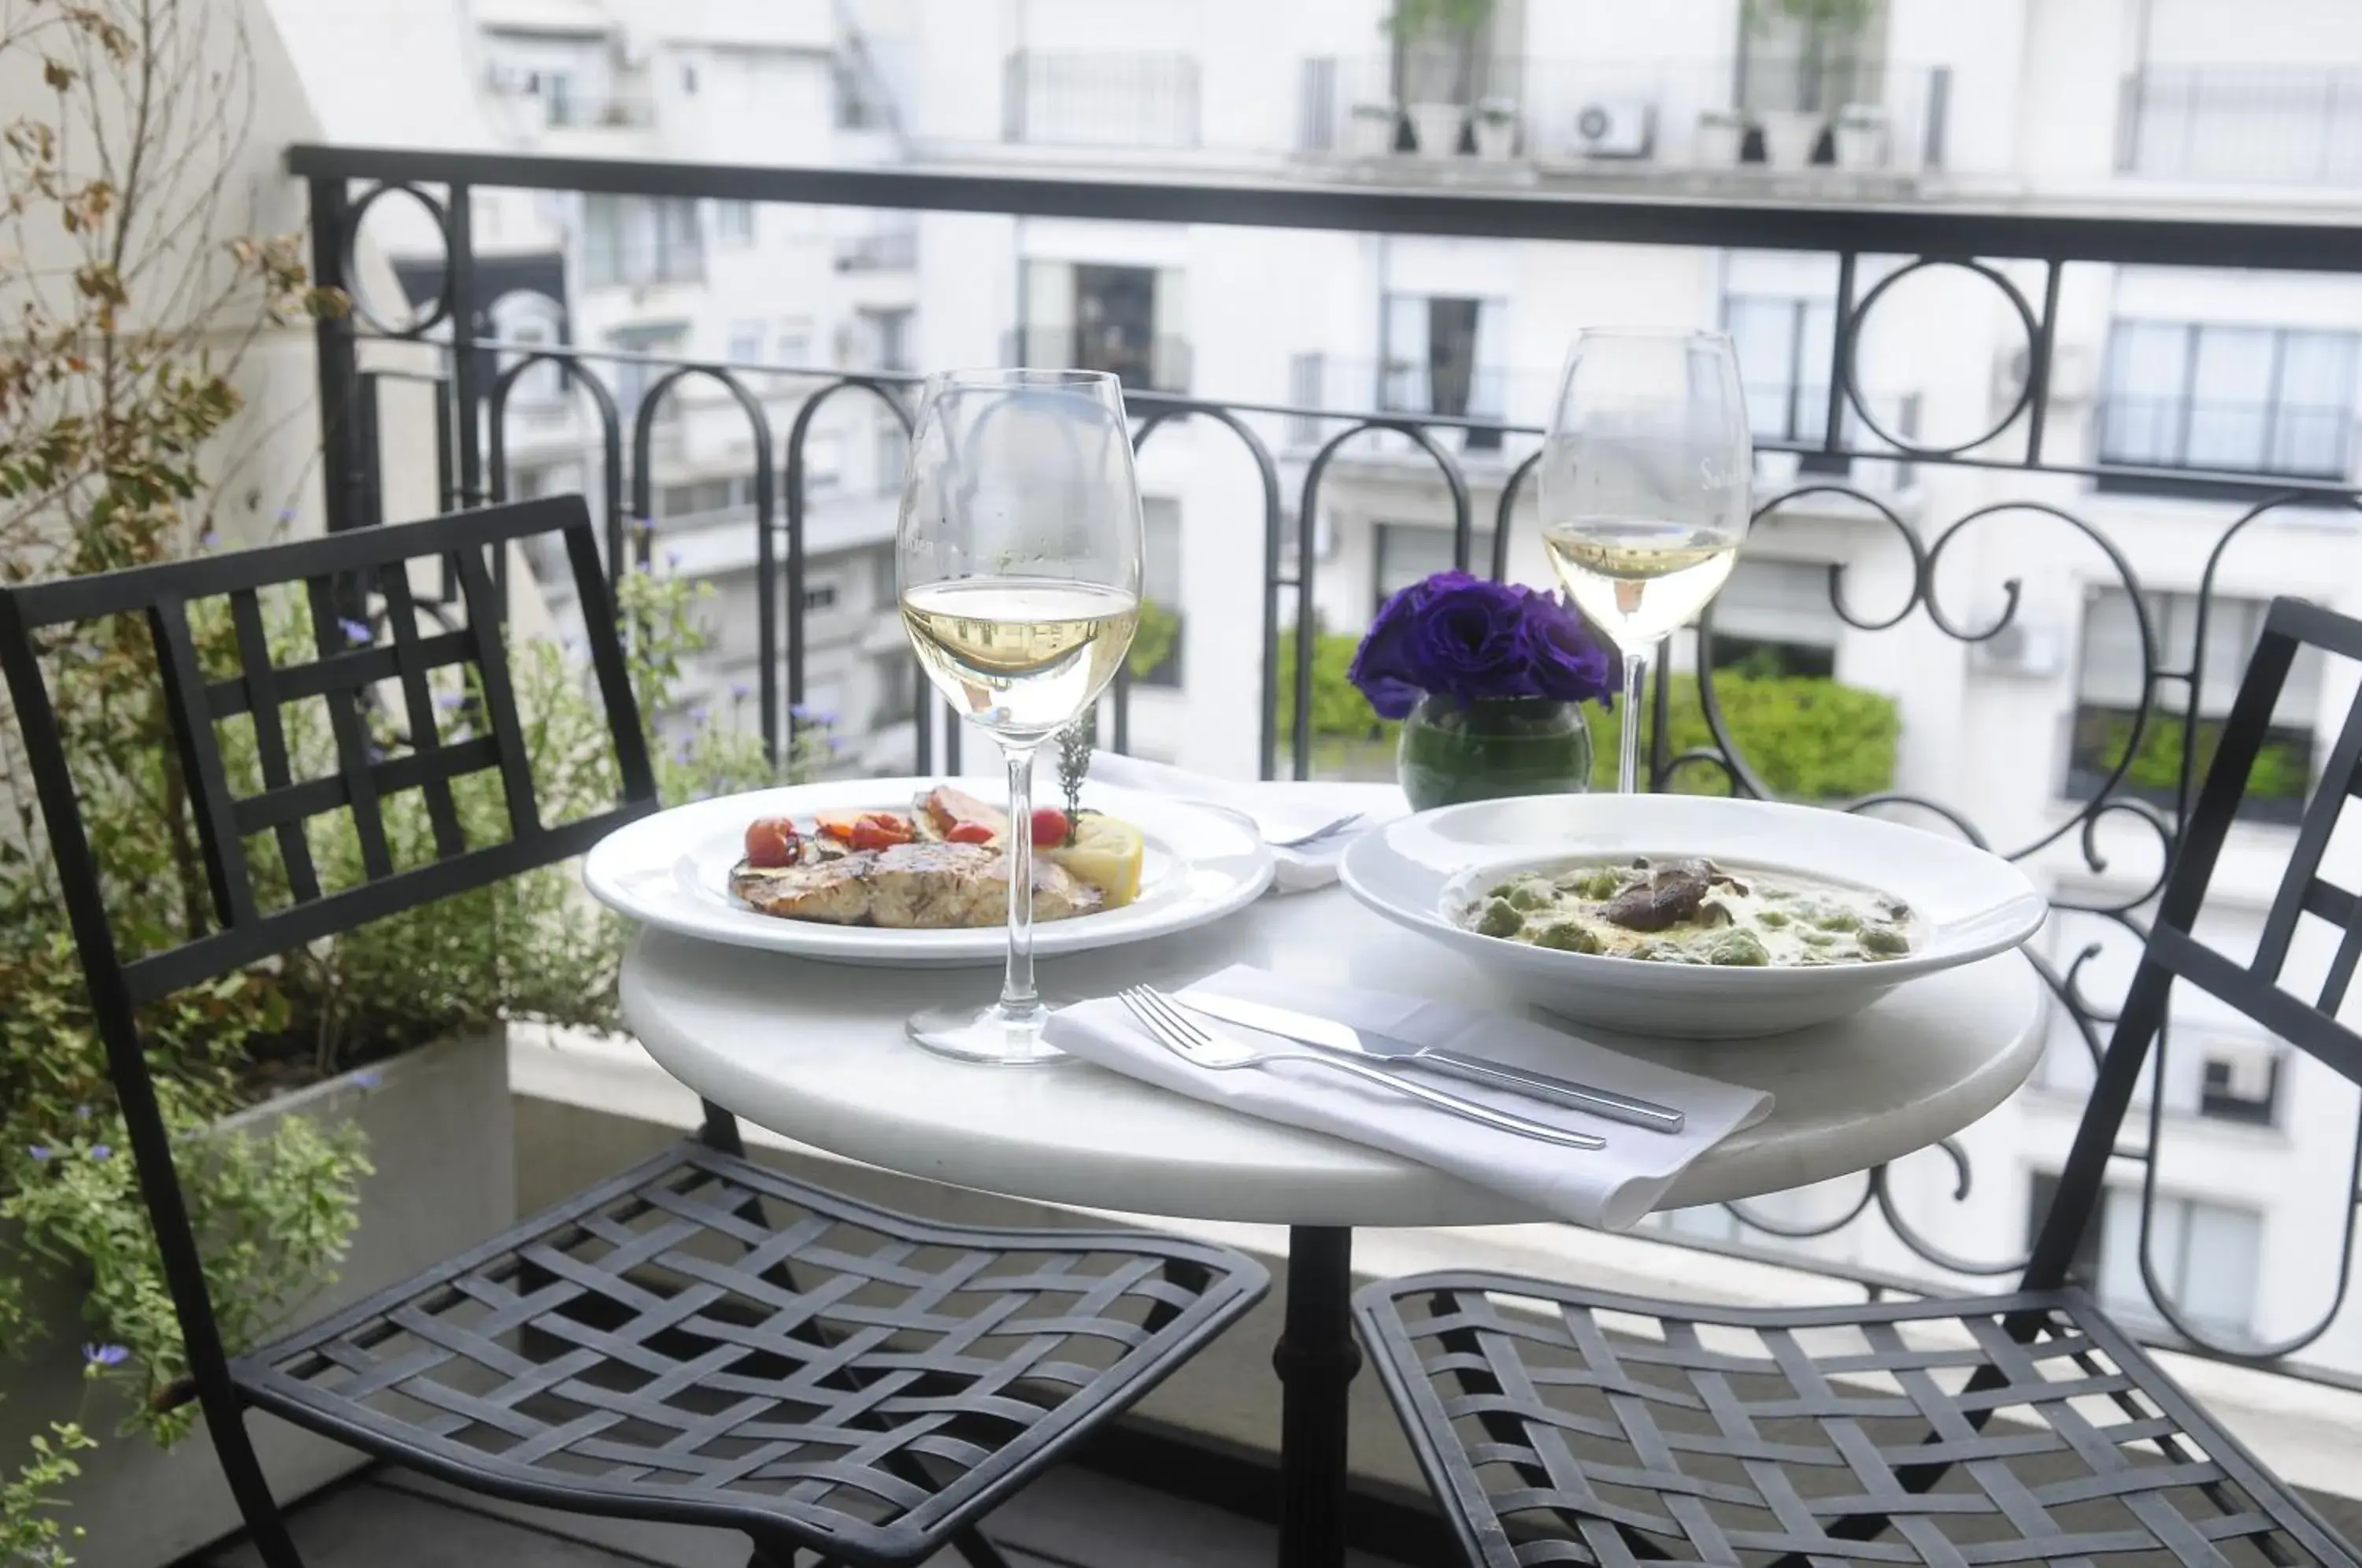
(1939, 112)
(466, 394)
(342, 470)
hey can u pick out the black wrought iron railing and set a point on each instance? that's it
(2132, 778)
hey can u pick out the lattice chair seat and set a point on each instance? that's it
(1579, 1426)
(703, 1340)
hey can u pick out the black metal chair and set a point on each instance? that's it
(698, 1340)
(1997, 1429)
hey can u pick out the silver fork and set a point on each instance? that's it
(1186, 1038)
(1326, 830)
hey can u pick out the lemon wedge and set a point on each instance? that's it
(1107, 853)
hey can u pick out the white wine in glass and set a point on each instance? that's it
(1017, 563)
(1645, 491)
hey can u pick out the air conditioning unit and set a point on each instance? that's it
(1613, 129)
(2019, 649)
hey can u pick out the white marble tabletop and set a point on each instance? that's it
(816, 1052)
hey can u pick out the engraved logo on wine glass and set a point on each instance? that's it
(1716, 475)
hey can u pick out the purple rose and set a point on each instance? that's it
(1470, 641)
(1473, 640)
(1385, 667)
(1568, 665)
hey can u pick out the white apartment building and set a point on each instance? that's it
(2106, 105)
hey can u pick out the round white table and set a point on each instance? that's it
(816, 1052)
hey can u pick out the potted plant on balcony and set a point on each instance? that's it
(1435, 50)
(1862, 137)
(1496, 129)
(1371, 129)
(1826, 32)
(1721, 135)
(342, 1112)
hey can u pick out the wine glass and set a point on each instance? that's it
(1644, 489)
(1017, 563)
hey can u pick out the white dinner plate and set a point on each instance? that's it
(1421, 870)
(672, 870)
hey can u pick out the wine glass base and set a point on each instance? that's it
(987, 1035)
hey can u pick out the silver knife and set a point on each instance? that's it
(1309, 1029)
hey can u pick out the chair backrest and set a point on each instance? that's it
(347, 581)
(2257, 987)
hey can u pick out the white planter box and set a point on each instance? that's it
(1436, 126)
(1790, 136)
(1371, 131)
(439, 1134)
(1862, 140)
(1720, 139)
(1496, 139)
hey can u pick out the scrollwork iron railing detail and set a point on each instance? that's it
(475, 459)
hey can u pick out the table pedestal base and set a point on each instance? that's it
(1317, 1358)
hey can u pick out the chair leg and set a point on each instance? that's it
(265, 1526)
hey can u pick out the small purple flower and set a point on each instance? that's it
(681, 750)
(376, 752)
(367, 1081)
(357, 631)
(106, 1355)
(450, 700)
(101, 1151)
(208, 539)
(286, 515)
(740, 691)
(40, 1154)
(697, 712)
(81, 1113)
(672, 560)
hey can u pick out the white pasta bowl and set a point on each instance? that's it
(1423, 872)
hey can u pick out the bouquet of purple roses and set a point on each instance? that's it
(1463, 637)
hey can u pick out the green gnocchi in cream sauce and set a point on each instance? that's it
(1685, 910)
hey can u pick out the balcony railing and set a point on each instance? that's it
(2131, 792)
(1108, 101)
(1611, 117)
(885, 251)
(2298, 125)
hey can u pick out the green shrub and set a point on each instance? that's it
(2281, 771)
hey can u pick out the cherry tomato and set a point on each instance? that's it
(1051, 827)
(971, 832)
(882, 830)
(772, 842)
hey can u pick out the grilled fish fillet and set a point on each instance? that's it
(912, 886)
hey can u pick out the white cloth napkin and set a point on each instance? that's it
(1282, 809)
(1611, 1189)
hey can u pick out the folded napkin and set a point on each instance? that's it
(1281, 809)
(1612, 1188)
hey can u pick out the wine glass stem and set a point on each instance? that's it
(1020, 1003)
(1636, 679)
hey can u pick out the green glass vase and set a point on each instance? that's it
(1452, 751)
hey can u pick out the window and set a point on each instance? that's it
(2253, 399)
(893, 453)
(688, 500)
(1156, 657)
(1442, 356)
(1408, 551)
(1123, 320)
(632, 376)
(558, 105)
(792, 346)
(2108, 694)
(897, 689)
(1794, 59)
(1785, 347)
(2239, 1080)
(734, 223)
(641, 239)
(746, 341)
(1774, 617)
(2206, 1256)
(885, 337)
